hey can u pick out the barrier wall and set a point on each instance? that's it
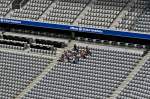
(76, 28)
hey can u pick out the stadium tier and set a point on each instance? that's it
(127, 18)
(97, 76)
(74, 49)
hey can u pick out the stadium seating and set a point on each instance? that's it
(139, 87)
(100, 14)
(97, 76)
(30, 67)
(65, 11)
(143, 22)
(18, 70)
(4, 7)
(103, 13)
(131, 21)
(32, 10)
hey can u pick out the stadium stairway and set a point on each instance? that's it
(50, 7)
(130, 76)
(83, 12)
(122, 14)
(45, 71)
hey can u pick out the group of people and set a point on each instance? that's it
(75, 54)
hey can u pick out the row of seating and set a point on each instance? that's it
(28, 38)
(49, 42)
(15, 45)
(43, 49)
(39, 33)
(16, 38)
(101, 41)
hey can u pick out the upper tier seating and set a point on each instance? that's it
(32, 10)
(97, 76)
(65, 11)
(4, 7)
(99, 14)
(130, 20)
(18, 70)
(139, 86)
(103, 13)
(143, 22)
